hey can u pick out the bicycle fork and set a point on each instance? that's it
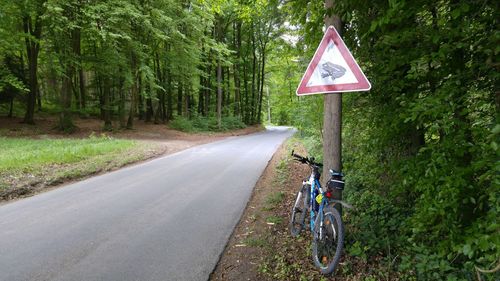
(320, 213)
(299, 196)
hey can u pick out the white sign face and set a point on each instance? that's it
(332, 69)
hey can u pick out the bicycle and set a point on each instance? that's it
(325, 221)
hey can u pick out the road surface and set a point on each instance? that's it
(166, 219)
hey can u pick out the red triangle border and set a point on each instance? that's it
(363, 83)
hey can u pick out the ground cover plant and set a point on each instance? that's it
(206, 124)
(28, 164)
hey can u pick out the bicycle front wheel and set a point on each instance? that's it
(299, 210)
(328, 240)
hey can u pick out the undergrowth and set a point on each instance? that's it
(206, 124)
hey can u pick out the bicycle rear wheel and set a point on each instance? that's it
(327, 246)
(299, 210)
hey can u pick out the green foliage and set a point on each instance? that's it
(129, 58)
(206, 124)
(421, 140)
(420, 150)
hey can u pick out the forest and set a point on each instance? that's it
(125, 59)
(420, 150)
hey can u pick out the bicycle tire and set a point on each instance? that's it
(326, 251)
(299, 211)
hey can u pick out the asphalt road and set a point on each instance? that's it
(166, 219)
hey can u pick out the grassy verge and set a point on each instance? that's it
(287, 258)
(27, 165)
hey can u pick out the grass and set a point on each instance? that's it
(28, 155)
(273, 200)
(27, 163)
(274, 219)
(256, 242)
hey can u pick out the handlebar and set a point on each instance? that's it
(306, 160)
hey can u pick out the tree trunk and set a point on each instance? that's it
(133, 93)
(11, 107)
(32, 48)
(179, 99)
(160, 94)
(255, 107)
(76, 41)
(254, 69)
(82, 87)
(100, 91)
(38, 98)
(219, 76)
(149, 109)
(228, 90)
(223, 102)
(332, 121)
(108, 126)
(208, 89)
(170, 103)
(81, 75)
(185, 103)
(262, 78)
(245, 100)
(201, 93)
(121, 104)
(141, 98)
(237, 98)
(65, 120)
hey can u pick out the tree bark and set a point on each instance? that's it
(244, 107)
(179, 99)
(332, 119)
(65, 120)
(186, 103)
(32, 48)
(133, 93)
(219, 94)
(108, 126)
(121, 105)
(201, 94)
(236, 66)
(223, 87)
(254, 69)
(149, 108)
(219, 76)
(208, 87)
(76, 41)
(262, 78)
(140, 97)
(170, 103)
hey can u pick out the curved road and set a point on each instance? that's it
(166, 219)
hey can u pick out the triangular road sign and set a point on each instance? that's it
(332, 69)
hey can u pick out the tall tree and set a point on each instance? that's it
(32, 13)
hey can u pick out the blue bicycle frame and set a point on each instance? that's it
(315, 185)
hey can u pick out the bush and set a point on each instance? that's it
(206, 124)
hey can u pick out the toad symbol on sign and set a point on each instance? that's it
(333, 70)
